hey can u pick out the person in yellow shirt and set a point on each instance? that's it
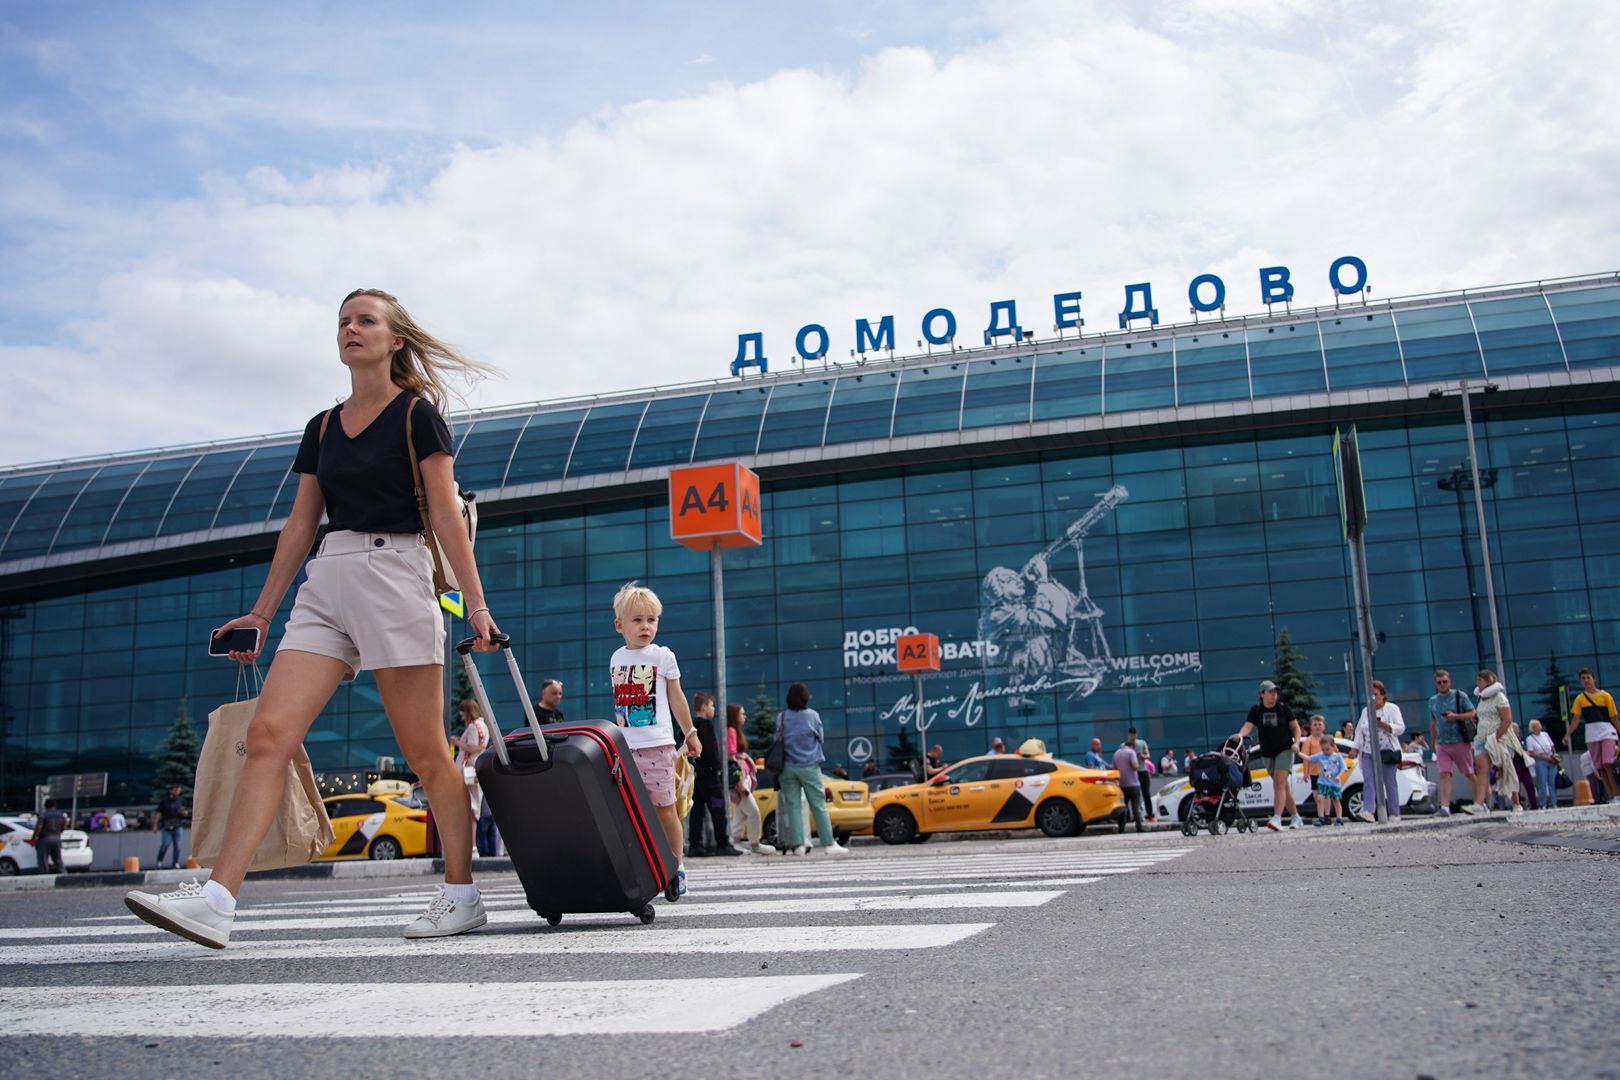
(1595, 709)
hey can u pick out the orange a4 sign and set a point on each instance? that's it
(714, 506)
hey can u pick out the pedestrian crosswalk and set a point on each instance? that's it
(829, 912)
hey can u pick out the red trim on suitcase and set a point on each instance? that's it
(638, 817)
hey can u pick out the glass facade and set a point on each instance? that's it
(1075, 590)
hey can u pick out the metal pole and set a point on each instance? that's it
(717, 585)
(922, 742)
(1372, 772)
(1484, 541)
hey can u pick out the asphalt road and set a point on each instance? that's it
(1464, 949)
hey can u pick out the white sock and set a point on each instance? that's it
(461, 894)
(219, 897)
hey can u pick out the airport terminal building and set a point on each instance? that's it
(1104, 531)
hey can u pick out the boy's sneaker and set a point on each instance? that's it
(1274, 824)
(680, 881)
(446, 916)
(186, 912)
(1318, 823)
(1338, 821)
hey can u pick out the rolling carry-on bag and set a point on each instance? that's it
(572, 810)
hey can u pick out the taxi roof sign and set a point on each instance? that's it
(714, 506)
(917, 652)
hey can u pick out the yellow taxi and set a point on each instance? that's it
(849, 809)
(384, 823)
(999, 791)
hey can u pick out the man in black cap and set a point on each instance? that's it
(1279, 742)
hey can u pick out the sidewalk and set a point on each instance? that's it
(343, 871)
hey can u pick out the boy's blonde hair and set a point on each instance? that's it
(634, 596)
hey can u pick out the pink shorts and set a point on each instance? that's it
(1455, 757)
(656, 764)
(1602, 752)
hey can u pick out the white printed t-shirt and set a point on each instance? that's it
(641, 694)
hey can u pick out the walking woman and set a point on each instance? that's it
(367, 604)
(801, 778)
(1384, 754)
(744, 810)
(1493, 720)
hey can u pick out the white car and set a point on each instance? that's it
(1173, 801)
(17, 854)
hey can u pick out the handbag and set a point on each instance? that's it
(1389, 757)
(301, 830)
(776, 754)
(1466, 728)
(444, 577)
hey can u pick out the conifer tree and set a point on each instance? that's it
(1294, 683)
(761, 725)
(1548, 707)
(178, 761)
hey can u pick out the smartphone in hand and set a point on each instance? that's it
(242, 639)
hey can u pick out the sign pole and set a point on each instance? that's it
(717, 583)
(918, 653)
(922, 730)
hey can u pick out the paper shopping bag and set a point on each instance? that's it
(301, 829)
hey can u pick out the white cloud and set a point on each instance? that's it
(1462, 147)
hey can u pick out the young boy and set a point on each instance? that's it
(646, 694)
(1328, 792)
(1315, 743)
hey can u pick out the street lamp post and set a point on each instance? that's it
(1460, 480)
(1465, 389)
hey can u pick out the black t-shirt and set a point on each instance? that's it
(366, 480)
(1275, 725)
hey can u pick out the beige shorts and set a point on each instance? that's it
(367, 600)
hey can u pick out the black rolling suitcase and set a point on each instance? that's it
(572, 811)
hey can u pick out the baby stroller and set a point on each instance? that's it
(1216, 779)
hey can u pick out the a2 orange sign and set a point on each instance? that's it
(714, 506)
(917, 652)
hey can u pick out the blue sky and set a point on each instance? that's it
(602, 196)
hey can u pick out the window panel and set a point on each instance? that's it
(1517, 334)
(930, 399)
(604, 439)
(542, 451)
(1362, 351)
(1138, 375)
(87, 521)
(731, 426)
(1068, 384)
(15, 492)
(1439, 344)
(997, 392)
(1589, 322)
(256, 484)
(797, 416)
(482, 457)
(198, 499)
(861, 408)
(37, 524)
(1211, 367)
(1286, 360)
(148, 499)
(667, 432)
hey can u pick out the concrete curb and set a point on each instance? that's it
(321, 871)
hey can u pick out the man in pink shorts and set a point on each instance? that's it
(1594, 709)
(1448, 709)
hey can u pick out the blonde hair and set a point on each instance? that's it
(423, 364)
(1487, 674)
(634, 596)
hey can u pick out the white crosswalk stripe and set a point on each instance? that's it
(764, 906)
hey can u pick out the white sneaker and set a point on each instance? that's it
(1444, 811)
(186, 912)
(445, 917)
(1517, 809)
(835, 848)
(763, 848)
(1294, 822)
(1366, 817)
(1274, 824)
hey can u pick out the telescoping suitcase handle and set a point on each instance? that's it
(503, 642)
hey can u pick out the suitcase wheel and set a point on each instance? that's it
(553, 920)
(672, 893)
(646, 914)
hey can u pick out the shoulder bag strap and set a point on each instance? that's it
(326, 418)
(440, 585)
